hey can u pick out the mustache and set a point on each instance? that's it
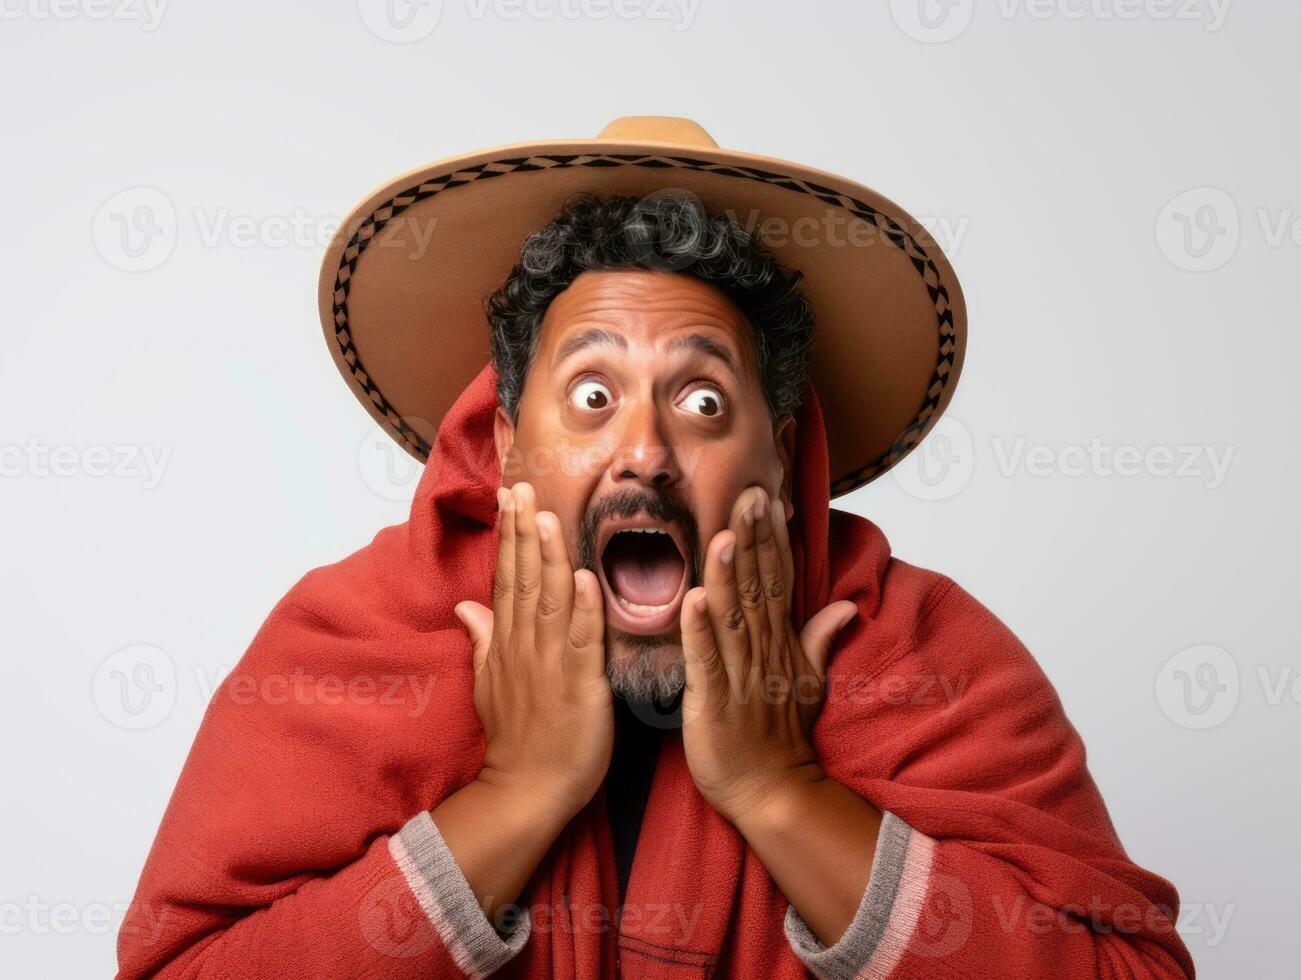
(630, 502)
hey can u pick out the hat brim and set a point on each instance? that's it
(404, 279)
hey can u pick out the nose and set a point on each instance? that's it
(644, 455)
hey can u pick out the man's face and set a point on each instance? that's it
(643, 409)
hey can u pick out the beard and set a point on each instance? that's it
(643, 669)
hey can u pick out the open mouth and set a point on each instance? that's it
(643, 572)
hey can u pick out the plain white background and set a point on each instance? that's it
(1114, 180)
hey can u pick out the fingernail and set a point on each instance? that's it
(728, 553)
(701, 600)
(760, 506)
(544, 531)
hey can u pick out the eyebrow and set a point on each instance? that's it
(589, 338)
(705, 345)
(598, 336)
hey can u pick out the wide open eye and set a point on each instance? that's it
(590, 395)
(705, 401)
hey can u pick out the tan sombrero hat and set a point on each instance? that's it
(404, 280)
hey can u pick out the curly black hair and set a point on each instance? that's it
(668, 231)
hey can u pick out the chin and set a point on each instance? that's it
(645, 668)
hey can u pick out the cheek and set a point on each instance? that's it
(567, 501)
(712, 500)
(716, 475)
(544, 452)
(559, 488)
(561, 495)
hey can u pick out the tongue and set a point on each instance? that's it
(647, 577)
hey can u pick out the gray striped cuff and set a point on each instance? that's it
(861, 951)
(436, 880)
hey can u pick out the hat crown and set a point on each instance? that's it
(657, 129)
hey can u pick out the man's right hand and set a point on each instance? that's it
(539, 658)
(544, 700)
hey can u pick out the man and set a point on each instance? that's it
(636, 488)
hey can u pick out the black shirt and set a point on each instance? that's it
(638, 733)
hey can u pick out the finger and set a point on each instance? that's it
(706, 676)
(749, 589)
(585, 653)
(724, 606)
(782, 532)
(477, 620)
(556, 599)
(820, 632)
(503, 579)
(772, 573)
(528, 569)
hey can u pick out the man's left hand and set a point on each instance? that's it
(753, 685)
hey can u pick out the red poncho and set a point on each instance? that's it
(352, 711)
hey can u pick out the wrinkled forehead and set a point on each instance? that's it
(641, 311)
